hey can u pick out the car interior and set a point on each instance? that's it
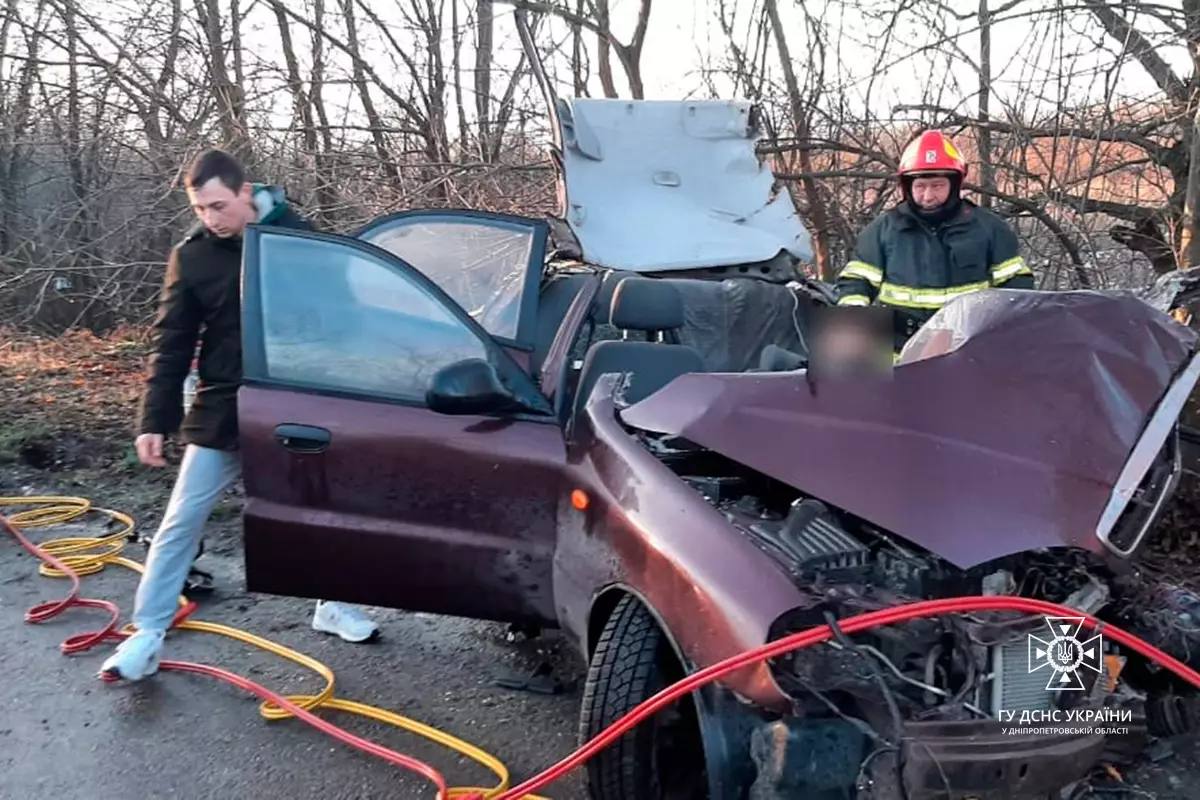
(653, 308)
(657, 328)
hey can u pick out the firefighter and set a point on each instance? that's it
(932, 247)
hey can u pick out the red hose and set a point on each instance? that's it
(342, 735)
(42, 612)
(81, 642)
(855, 624)
(795, 641)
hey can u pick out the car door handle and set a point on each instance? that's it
(303, 438)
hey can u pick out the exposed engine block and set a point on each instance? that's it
(810, 537)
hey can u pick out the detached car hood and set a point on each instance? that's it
(1005, 429)
(654, 186)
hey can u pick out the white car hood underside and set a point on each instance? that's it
(666, 185)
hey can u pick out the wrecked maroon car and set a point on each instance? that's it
(461, 413)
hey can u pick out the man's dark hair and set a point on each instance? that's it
(215, 163)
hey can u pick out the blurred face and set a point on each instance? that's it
(224, 212)
(930, 193)
(843, 344)
(848, 351)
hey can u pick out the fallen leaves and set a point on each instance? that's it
(73, 395)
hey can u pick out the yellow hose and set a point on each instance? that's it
(90, 555)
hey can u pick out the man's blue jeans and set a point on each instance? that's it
(204, 476)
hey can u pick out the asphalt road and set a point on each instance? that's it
(66, 735)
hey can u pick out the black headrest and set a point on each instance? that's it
(646, 304)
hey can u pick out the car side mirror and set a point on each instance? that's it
(468, 387)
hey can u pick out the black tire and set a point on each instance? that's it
(662, 758)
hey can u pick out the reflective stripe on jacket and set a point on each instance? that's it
(914, 267)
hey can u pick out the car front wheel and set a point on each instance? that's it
(663, 757)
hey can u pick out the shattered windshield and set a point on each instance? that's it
(481, 264)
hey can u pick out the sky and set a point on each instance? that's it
(684, 39)
(1029, 55)
(683, 35)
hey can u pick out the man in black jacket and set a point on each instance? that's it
(933, 247)
(201, 302)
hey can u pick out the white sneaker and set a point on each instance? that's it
(348, 622)
(136, 658)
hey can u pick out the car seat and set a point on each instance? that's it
(655, 308)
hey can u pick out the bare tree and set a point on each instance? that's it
(579, 68)
(228, 92)
(801, 119)
(1189, 245)
(18, 107)
(359, 68)
(598, 20)
(985, 97)
(485, 27)
(101, 105)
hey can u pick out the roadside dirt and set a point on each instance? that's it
(68, 403)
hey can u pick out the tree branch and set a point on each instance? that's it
(1157, 151)
(413, 69)
(1034, 209)
(413, 112)
(800, 121)
(639, 32)
(565, 14)
(834, 173)
(795, 145)
(1086, 205)
(1140, 48)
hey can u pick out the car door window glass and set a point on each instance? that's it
(339, 318)
(482, 265)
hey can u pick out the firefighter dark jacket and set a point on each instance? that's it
(201, 302)
(914, 267)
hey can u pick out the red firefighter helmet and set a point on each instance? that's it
(932, 151)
